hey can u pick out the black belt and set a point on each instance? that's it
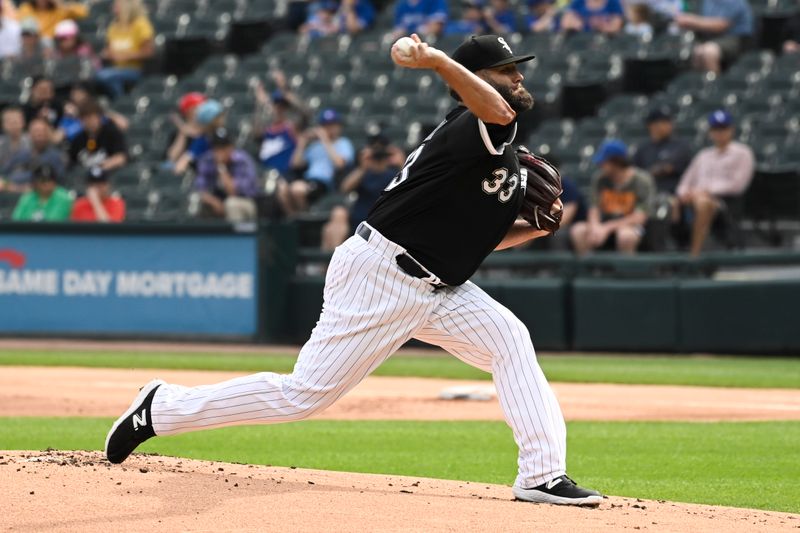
(406, 263)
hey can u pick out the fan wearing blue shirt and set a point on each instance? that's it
(332, 18)
(321, 153)
(542, 16)
(725, 26)
(471, 21)
(425, 17)
(500, 17)
(602, 16)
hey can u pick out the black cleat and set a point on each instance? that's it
(134, 427)
(560, 491)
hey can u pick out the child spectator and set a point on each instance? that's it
(378, 163)
(227, 180)
(101, 143)
(602, 16)
(622, 197)
(425, 17)
(716, 179)
(321, 153)
(187, 129)
(542, 16)
(48, 13)
(13, 141)
(42, 102)
(129, 44)
(287, 115)
(725, 28)
(41, 151)
(98, 205)
(210, 115)
(10, 36)
(46, 202)
(70, 124)
(639, 16)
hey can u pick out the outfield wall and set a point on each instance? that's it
(240, 283)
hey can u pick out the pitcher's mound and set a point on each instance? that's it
(80, 491)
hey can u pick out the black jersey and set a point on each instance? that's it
(456, 197)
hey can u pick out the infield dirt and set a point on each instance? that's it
(63, 391)
(80, 491)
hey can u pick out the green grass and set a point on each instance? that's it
(667, 370)
(738, 464)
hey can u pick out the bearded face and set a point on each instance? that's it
(520, 99)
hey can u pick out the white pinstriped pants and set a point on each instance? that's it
(370, 309)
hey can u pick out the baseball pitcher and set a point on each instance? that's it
(464, 192)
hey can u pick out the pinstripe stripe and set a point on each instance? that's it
(370, 308)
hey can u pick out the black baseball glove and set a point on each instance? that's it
(542, 189)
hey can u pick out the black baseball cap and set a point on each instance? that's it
(221, 138)
(96, 175)
(486, 51)
(659, 113)
(44, 172)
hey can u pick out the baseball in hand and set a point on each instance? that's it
(403, 47)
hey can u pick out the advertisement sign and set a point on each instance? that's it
(128, 284)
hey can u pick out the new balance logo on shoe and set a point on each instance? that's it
(140, 420)
(550, 484)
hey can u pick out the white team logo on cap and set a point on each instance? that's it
(505, 45)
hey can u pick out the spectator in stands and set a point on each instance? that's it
(575, 210)
(792, 35)
(333, 18)
(101, 143)
(660, 13)
(378, 163)
(622, 196)
(287, 115)
(187, 129)
(227, 180)
(601, 16)
(129, 43)
(10, 36)
(70, 124)
(542, 16)
(725, 27)
(425, 17)
(321, 153)
(48, 13)
(32, 51)
(472, 21)
(664, 156)
(43, 103)
(716, 178)
(69, 44)
(13, 141)
(98, 205)
(47, 201)
(210, 115)
(639, 17)
(41, 151)
(500, 17)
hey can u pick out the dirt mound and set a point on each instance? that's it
(56, 391)
(80, 491)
